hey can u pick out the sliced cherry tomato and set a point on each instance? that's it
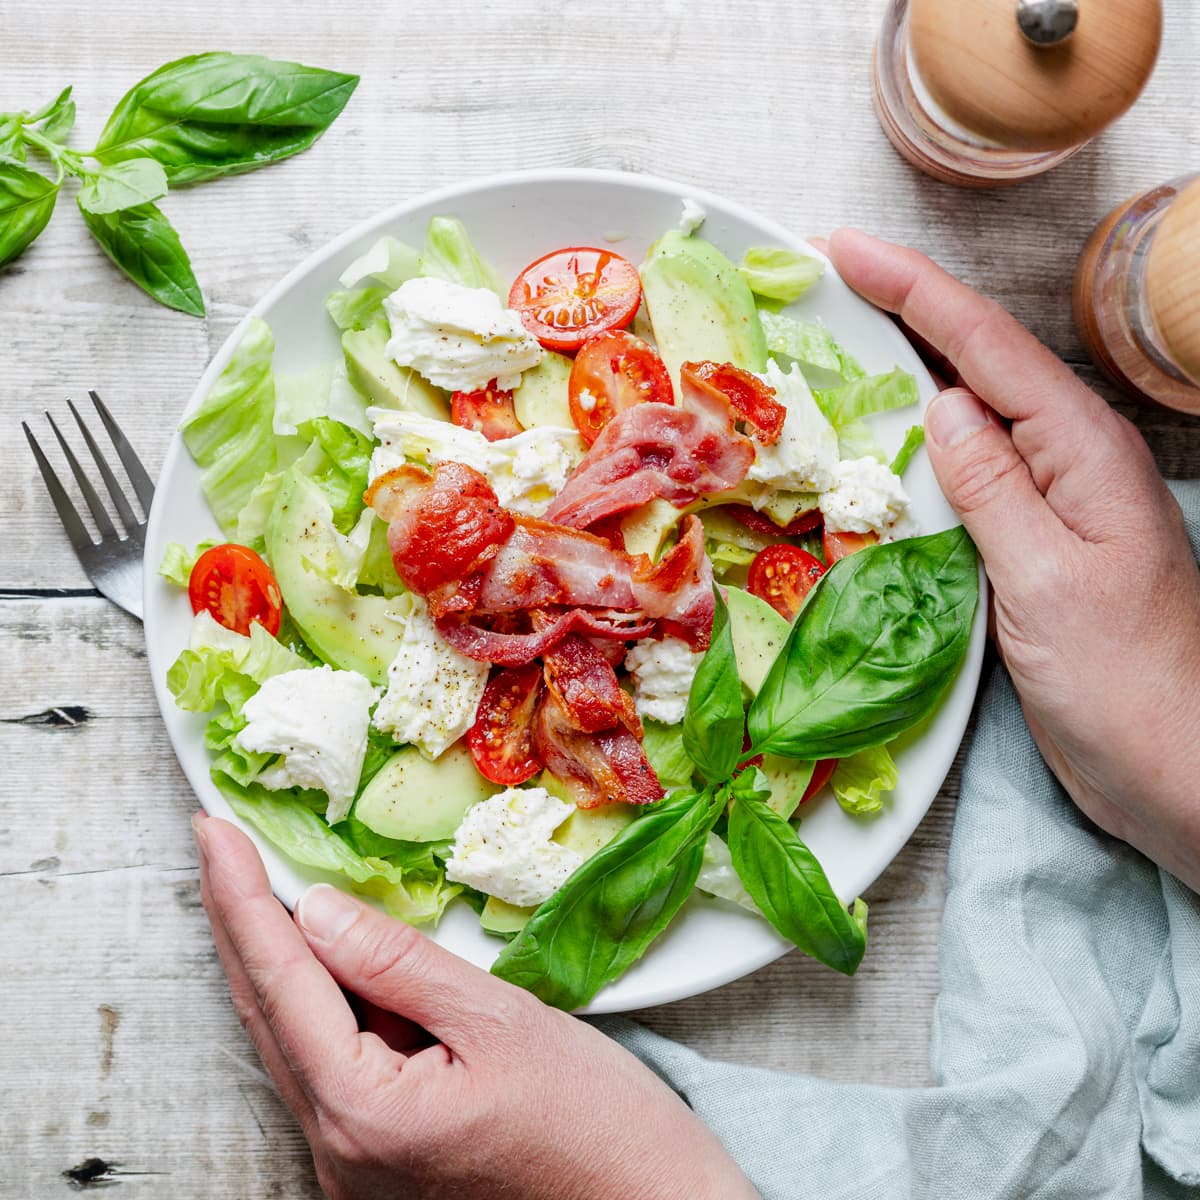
(822, 773)
(236, 588)
(751, 399)
(501, 739)
(761, 523)
(839, 545)
(613, 372)
(571, 295)
(783, 575)
(488, 411)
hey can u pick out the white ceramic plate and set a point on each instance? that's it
(514, 219)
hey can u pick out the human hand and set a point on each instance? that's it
(513, 1100)
(1096, 592)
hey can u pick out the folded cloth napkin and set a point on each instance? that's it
(1066, 1039)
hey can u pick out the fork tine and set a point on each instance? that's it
(79, 536)
(143, 485)
(103, 524)
(110, 480)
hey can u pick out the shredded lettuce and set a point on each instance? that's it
(322, 392)
(378, 570)
(862, 397)
(389, 262)
(778, 274)
(356, 308)
(178, 561)
(300, 833)
(663, 745)
(231, 434)
(449, 254)
(914, 439)
(824, 361)
(717, 876)
(860, 780)
(343, 475)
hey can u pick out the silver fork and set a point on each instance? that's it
(114, 563)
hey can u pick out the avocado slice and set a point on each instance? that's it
(500, 917)
(645, 529)
(542, 396)
(414, 800)
(700, 306)
(588, 830)
(758, 634)
(356, 633)
(383, 381)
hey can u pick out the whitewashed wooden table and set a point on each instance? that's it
(119, 1042)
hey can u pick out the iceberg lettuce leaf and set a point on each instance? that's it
(859, 781)
(914, 439)
(862, 397)
(823, 360)
(178, 561)
(778, 274)
(449, 254)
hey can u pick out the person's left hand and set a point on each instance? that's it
(513, 1099)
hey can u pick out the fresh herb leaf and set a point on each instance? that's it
(601, 921)
(874, 647)
(790, 887)
(12, 144)
(221, 114)
(144, 244)
(57, 118)
(713, 725)
(914, 439)
(26, 202)
(123, 185)
(664, 750)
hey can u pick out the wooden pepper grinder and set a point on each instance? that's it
(1137, 295)
(986, 92)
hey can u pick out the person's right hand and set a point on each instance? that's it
(1097, 595)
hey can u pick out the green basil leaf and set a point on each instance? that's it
(714, 724)
(876, 644)
(600, 922)
(26, 202)
(12, 145)
(144, 244)
(57, 117)
(790, 887)
(914, 439)
(221, 114)
(123, 185)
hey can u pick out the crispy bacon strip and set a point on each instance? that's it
(596, 768)
(585, 685)
(751, 399)
(651, 450)
(516, 649)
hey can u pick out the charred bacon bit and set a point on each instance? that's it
(751, 399)
(585, 685)
(507, 649)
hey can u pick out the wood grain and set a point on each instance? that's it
(122, 1044)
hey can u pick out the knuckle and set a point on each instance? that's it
(387, 948)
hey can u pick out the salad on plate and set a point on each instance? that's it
(561, 597)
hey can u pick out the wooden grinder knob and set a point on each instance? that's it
(1173, 280)
(978, 66)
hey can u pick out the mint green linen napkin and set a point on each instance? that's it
(1066, 1039)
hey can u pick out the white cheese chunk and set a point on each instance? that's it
(317, 721)
(867, 498)
(805, 457)
(662, 674)
(692, 217)
(433, 691)
(459, 338)
(526, 471)
(504, 847)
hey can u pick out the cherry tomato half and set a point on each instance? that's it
(613, 372)
(839, 545)
(568, 296)
(236, 588)
(501, 739)
(488, 411)
(761, 523)
(783, 575)
(822, 773)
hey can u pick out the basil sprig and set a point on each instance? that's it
(875, 646)
(601, 921)
(714, 722)
(195, 119)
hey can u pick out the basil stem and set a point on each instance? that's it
(790, 887)
(876, 644)
(714, 723)
(604, 917)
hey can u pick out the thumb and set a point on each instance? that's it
(395, 967)
(988, 484)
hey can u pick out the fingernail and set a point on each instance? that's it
(325, 913)
(954, 415)
(200, 833)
